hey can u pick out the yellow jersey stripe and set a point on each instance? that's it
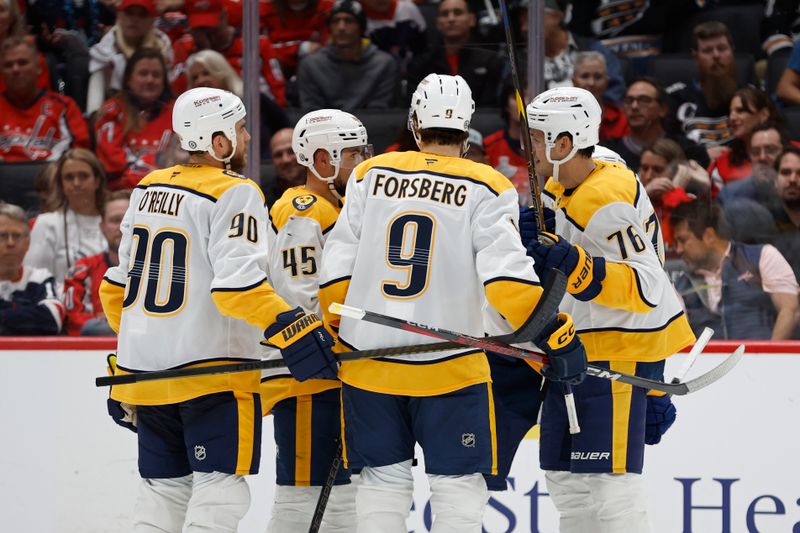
(622, 290)
(621, 396)
(257, 305)
(111, 295)
(274, 390)
(245, 404)
(201, 180)
(302, 442)
(514, 299)
(492, 428)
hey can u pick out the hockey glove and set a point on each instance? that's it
(565, 353)
(528, 229)
(304, 344)
(661, 414)
(585, 273)
(123, 414)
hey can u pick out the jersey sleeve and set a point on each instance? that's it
(341, 247)
(295, 251)
(237, 249)
(506, 271)
(634, 275)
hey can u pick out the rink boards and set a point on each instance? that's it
(729, 464)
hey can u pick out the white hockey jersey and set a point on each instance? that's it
(425, 238)
(300, 222)
(191, 284)
(637, 315)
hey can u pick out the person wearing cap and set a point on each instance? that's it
(135, 29)
(475, 152)
(349, 73)
(209, 28)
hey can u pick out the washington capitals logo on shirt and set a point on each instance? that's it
(301, 203)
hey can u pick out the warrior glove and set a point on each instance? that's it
(585, 273)
(661, 414)
(565, 353)
(122, 413)
(304, 344)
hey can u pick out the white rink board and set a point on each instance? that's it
(67, 468)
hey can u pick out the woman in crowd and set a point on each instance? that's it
(749, 107)
(209, 68)
(134, 126)
(61, 237)
(135, 29)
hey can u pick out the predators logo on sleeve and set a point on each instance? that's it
(301, 203)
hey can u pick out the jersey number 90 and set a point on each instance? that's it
(409, 245)
(159, 268)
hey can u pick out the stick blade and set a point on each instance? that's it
(703, 381)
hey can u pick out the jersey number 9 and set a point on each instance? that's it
(409, 244)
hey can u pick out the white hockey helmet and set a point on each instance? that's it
(441, 101)
(331, 130)
(200, 112)
(566, 110)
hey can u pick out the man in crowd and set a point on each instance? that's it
(741, 291)
(289, 173)
(28, 301)
(82, 285)
(788, 219)
(349, 73)
(645, 105)
(38, 124)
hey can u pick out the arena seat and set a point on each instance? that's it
(792, 117)
(776, 64)
(672, 68)
(744, 22)
(17, 184)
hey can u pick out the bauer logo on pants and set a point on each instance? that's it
(199, 452)
(468, 440)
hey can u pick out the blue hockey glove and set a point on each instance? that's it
(528, 229)
(304, 344)
(661, 414)
(566, 355)
(123, 414)
(585, 274)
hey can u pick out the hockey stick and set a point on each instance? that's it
(696, 350)
(554, 288)
(325, 493)
(680, 389)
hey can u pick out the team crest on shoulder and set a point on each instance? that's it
(301, 203)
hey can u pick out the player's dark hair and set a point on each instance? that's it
(700, 214)
(443, 136)
(200, 152)
(585, 152)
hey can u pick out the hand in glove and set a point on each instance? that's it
(661, 414)
(122, 413)
(585, 273)
(304, 344)
(565, 352)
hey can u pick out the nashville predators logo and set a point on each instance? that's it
(301, 203)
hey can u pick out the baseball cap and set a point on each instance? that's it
(475, 138)
(350, 7)
(148, 5)
(204, 13)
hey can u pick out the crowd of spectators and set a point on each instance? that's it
(706, 111)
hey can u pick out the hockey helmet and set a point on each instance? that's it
(441, 101)
(200, 112)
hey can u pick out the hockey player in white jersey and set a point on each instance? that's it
(425, 236)
(190, 290)
(329, 143)
(625, 310)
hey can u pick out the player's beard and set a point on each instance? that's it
(718, 88)
(239, 161)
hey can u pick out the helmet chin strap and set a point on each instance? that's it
(329, 180)
(557, 163)
(225, 160)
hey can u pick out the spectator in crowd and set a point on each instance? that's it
(590, 74)
(741, 291)
(700, 106)
(72, 231)
(349, 73)
(396, 27)
(38, 124)
(289, 173)
(504, 147)
(669, 179)
(475, 152)
(12, 24)
(28, 301)
(64, 32)
(778, 27)
(209, 28)
(787, 218)
(789, 85)
(749, 108)
(296, 28)
(135, 29)
(646, 107)
(459, 54)
(561, 46)
(209, 68)
(766, 144)
(134, 126)
(82, 284)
